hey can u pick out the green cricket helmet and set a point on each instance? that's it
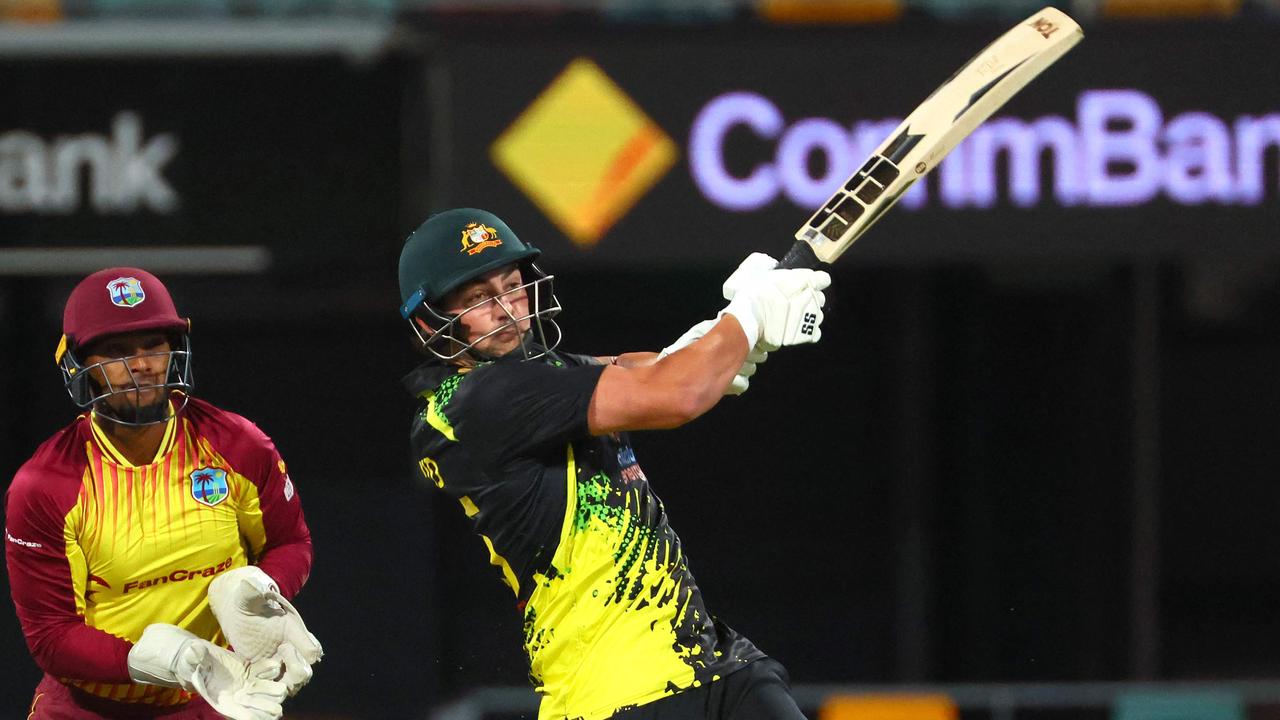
(454, 247)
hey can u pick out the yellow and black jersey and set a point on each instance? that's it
(612, 615)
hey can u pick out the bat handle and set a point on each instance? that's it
(800, 256)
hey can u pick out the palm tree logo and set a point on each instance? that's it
(209, 486)
(126, 292)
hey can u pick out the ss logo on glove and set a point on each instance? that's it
(807, 327)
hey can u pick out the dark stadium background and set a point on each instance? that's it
(1034, 445)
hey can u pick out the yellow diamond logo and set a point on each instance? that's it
(584, 152)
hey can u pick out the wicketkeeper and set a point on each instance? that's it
(154, 530)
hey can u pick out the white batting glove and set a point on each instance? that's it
(752, 266)
(742, 380)
(261, 624)
(755, 264)
(779, 308)
(236, 688)
(689, 337)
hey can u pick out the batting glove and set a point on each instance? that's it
(741, 380)
(261, 624)
(236, 688)
(689, 337)
(779, 308)
(755, 264)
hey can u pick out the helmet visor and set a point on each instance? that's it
(519, 320)
(117, 393)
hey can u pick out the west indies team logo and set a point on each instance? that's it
(209, 486)
(478, 238)
(126, 292)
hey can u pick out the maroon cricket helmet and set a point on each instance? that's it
(118, 300)
(112, 302)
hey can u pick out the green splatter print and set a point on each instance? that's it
(635, 539)
(593, 496)
(444, 394)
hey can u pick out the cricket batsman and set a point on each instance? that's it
(532, 443)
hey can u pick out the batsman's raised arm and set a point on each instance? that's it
(671, 390)
(770, 308)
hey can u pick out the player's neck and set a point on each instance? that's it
(138, 444)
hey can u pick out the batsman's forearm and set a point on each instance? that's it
(705, 368)
(671, 391)
(629, 360)
(637, 359)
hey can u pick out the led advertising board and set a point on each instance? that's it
(684, 147)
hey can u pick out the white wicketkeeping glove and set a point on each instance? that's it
(261, 624)
(741, 380)
(170, 656)
(778, 308)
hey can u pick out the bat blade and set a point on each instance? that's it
(953, 111)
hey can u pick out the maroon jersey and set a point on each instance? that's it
(98, 548)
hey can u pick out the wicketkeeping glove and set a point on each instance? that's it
(261, 624)
(170, 656)
(777, 308)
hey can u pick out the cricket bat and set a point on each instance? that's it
(936, 126)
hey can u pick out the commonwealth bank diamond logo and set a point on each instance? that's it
(584, 152)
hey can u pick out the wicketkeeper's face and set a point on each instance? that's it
(133, 367)
(493, 310)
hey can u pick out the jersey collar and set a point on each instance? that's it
(109, 449)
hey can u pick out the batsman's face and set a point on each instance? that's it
(493, 310)
(133, 367)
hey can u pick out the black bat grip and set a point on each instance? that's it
(800, 256)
